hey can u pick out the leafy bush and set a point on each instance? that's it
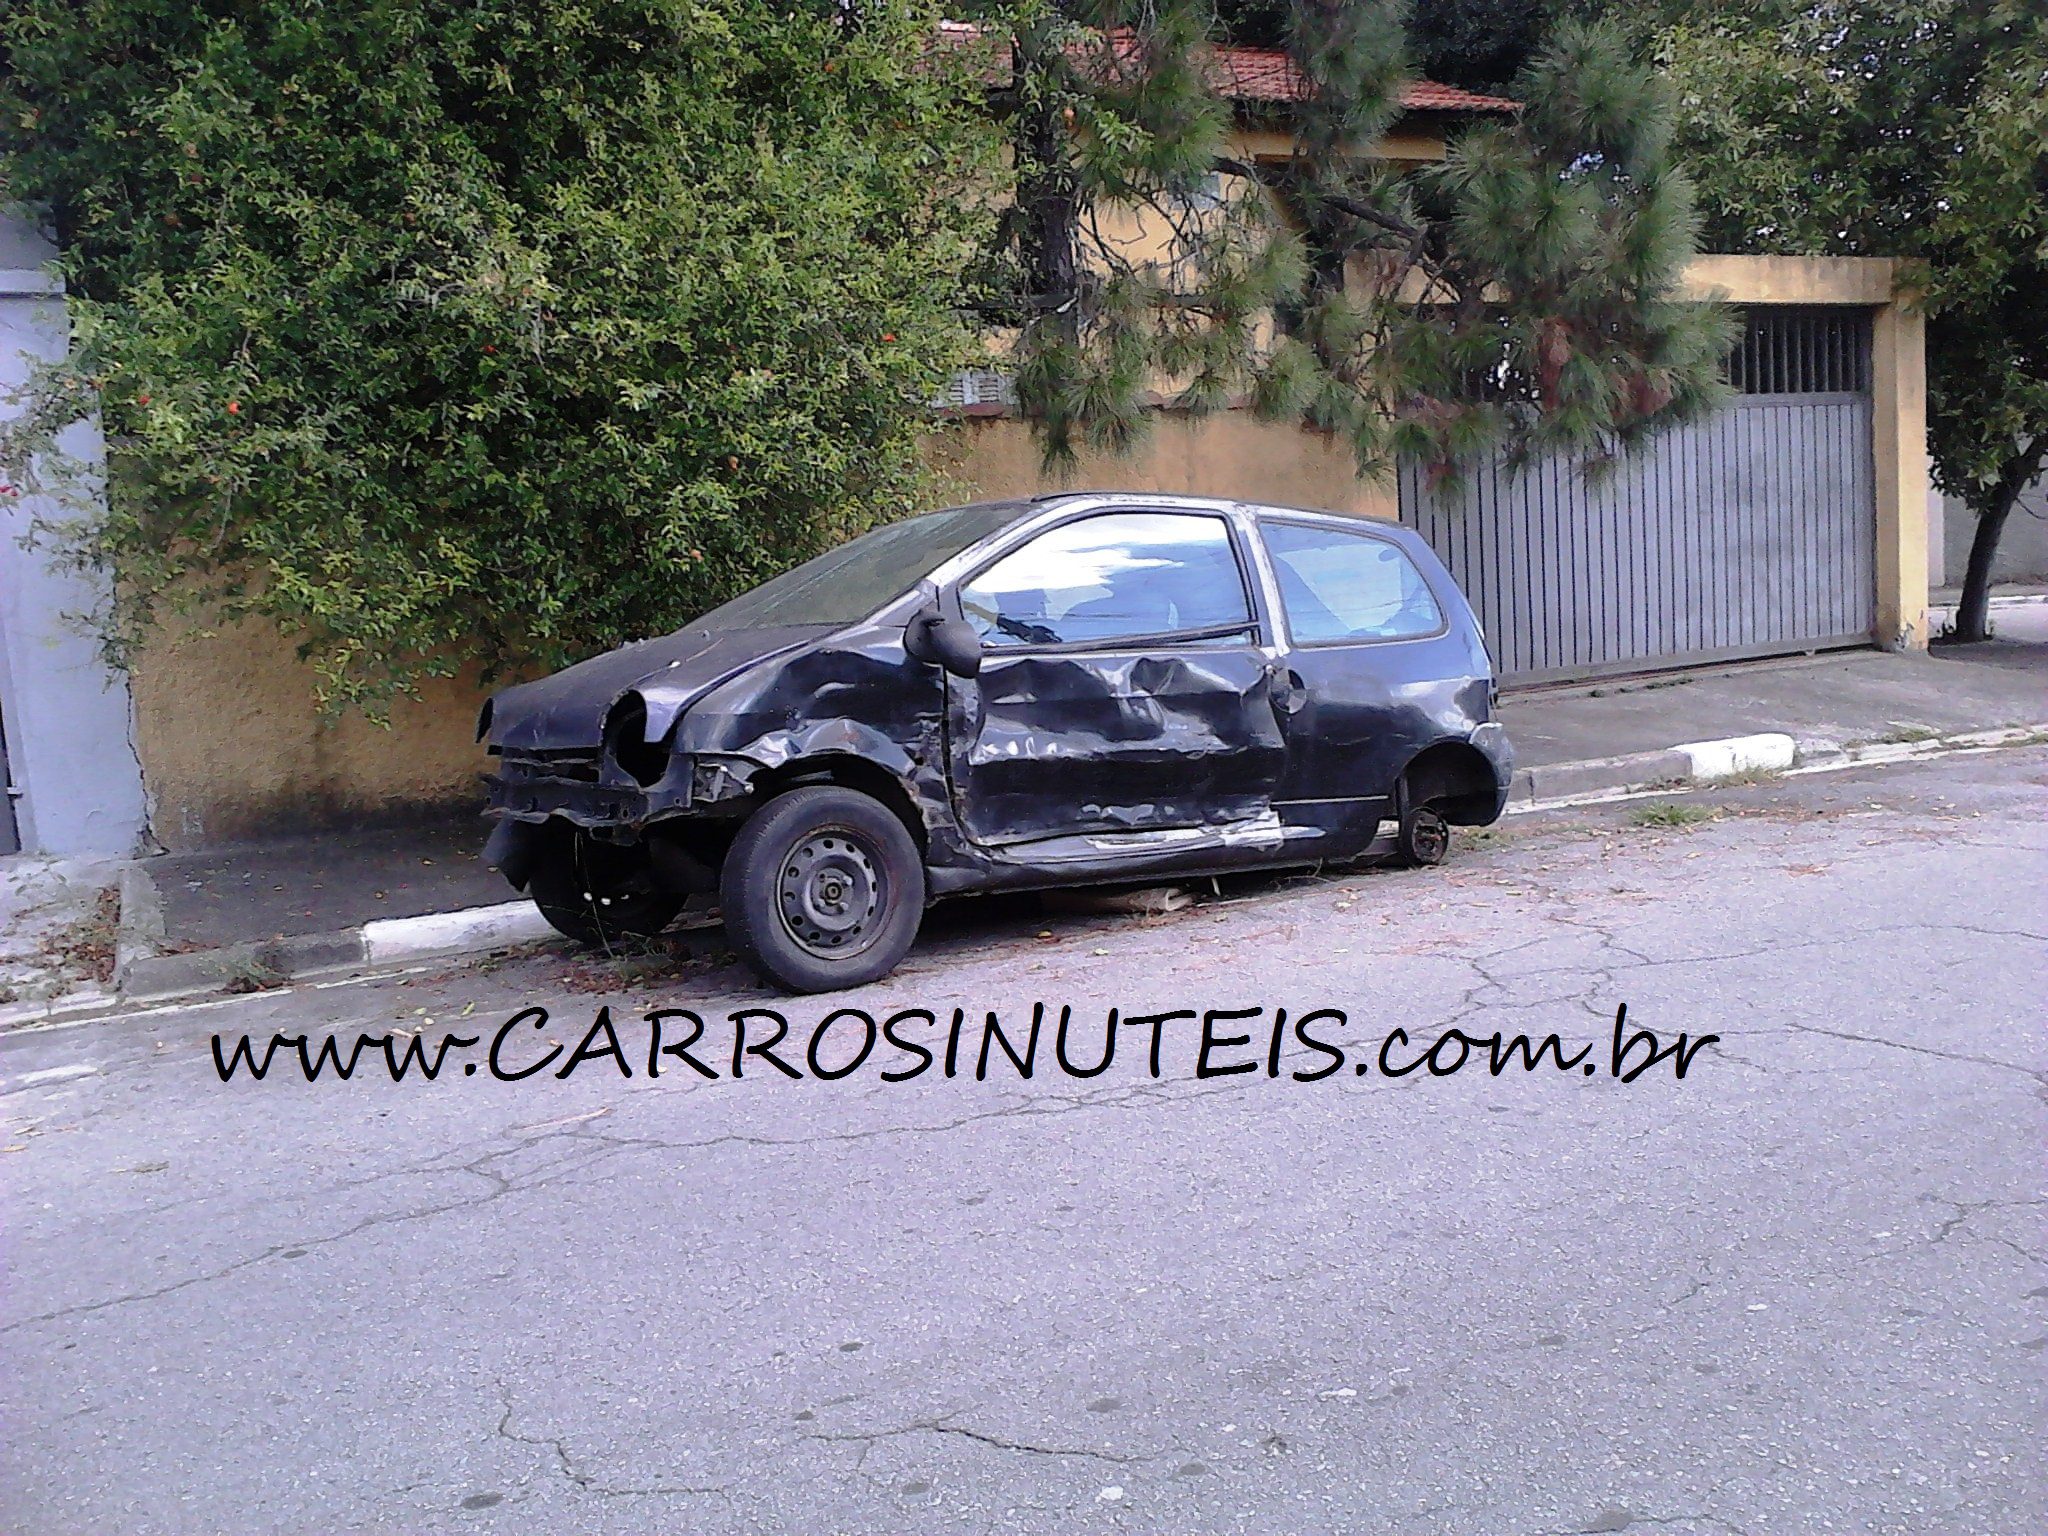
(488, 331)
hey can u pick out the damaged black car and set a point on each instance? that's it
(1077, 689)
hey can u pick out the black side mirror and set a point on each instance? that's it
(949, 643)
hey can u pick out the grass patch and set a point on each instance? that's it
(1747, 776)
(243, 974)
(1900, 735)
(1671, 813)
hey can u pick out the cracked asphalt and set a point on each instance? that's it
(1801, 1290)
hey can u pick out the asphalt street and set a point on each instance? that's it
(1801, 1289)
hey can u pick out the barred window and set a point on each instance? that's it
(1801, 350)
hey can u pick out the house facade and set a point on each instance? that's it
(1794, 520)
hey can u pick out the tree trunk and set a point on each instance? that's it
(1046, 195)
(1973, 609)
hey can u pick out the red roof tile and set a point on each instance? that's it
(1267, 74)
(1428, 96)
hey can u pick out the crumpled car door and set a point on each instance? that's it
(1072, 727)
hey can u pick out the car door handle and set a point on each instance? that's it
(1288, 691)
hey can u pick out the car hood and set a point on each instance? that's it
(567, 710)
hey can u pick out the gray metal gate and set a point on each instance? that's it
(1750, 533)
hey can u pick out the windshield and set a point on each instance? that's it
(852, 581)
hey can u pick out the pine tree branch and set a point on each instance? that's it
(1337, 200)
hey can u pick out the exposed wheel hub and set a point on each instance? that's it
(1430, 838)
(829, 894)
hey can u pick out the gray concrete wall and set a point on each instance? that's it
(77, 787)
(2022, 551)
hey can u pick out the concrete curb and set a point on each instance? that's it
(1945, 613)
(1828, 757)
(392, 939)
(1550, 785)
(1766, 752)
(141, 932)
(45, 1013)
(145, 973)
(1547, 784)
(1706, 762)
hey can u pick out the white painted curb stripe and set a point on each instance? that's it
(405, 938)
(1768, 752)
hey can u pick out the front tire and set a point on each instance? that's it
(599, 893)
(823, 888)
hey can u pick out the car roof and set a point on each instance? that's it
(1172, 501)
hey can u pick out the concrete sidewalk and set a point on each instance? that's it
(58, 924)
(1842, 699)
(319, 884)
(247, 916)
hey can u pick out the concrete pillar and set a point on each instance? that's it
(1899, 437)
(77, 787)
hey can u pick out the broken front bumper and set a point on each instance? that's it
(533, 790)
(587, 790)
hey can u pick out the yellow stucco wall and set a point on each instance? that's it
(1228, 454)
(233, 746)
(1792, 279)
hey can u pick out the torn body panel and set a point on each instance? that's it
(1113, 741)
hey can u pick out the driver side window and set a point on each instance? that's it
(1122, 575)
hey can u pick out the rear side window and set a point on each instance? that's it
(1338, 585)
(1118, 576)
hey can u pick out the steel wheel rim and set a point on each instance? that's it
(829, 893)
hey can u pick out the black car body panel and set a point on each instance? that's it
(568, 709)
(1122, 740)
(1059, 763)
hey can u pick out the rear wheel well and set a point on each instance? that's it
(848, 772)
(1454, 779)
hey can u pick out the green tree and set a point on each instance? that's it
(1481, 45)
(1864, 127)
(1522, 294)
(494, 331)
(443, 332)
